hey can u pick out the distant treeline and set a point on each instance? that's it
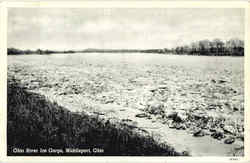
(216, 47)
(14, 51)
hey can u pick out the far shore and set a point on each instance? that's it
(14, 51)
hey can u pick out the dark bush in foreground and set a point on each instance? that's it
(34, 122)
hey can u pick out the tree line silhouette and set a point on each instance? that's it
(14, 51)
(216, 47)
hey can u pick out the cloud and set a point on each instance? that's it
(100, 26)
(52, 28)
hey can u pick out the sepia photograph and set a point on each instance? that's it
(125, 81)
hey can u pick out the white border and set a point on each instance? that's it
(116, 4)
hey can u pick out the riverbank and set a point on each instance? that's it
(35, 122)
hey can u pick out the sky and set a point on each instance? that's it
(116, 28)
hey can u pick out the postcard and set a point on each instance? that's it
(149, 81)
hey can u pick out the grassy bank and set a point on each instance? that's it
(35, 122)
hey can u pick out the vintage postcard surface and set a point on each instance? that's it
(114, 81)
